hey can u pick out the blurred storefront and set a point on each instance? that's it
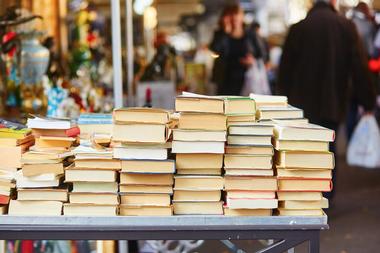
(170, 41)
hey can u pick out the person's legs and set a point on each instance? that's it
(352, 119)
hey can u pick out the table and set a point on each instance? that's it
(287, 232)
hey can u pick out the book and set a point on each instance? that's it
(144, 199)
(308, 173)
(252, 129)
(247, 161)
(6, 183)
(29, 170)
(198, 208)
(18, 134)
(250, 183)
(309, 132)
(23, 182)
(141, 115)
(198, 135)
(88, 175)
(319, 185)
(191, 147)
(289, 145)
(305, 159)
(289, 112)
(146, 179)
(83, 152)
(49, 123)
(94, 198)
(42, 194)
(4, 199)
(240, 119)
(14, 142)
(214, 172)
(247, 203)
(304, 204)
(246, 140)
(299, 195)
(148, 166)
(35, 156)
(203, 121)
(12, 160)
(302, 212)
(53, 142)
(73, 209)
(140, 153)
(265, 150)
(198, 103)
(251, 194)
(196, 196)
(198, 183)
(87, 130)
(248, 172)
(127, 210)
(71, 132)
(268, 100)
(199, 161)
(247, 212)
(144, 133)
(105, 187)
(239, 105)
(168, 189)
(112, 164)
(95, 116)
(292, 121)
(35, 208)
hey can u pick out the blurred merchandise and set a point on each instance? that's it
(364, 147)
(34, 58)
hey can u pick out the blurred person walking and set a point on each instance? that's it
(323, 62)
(236, 49)
(365, 24)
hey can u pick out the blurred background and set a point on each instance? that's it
(70, 71)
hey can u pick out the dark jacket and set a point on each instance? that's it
(228, 73)
(323, 64)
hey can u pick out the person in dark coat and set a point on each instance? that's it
(236, 48)
(322, 65)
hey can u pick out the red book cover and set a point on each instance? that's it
(4, 200)
(73, 132)
(27, 246)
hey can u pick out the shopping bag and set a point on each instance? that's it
(364, 147)
(256, 80)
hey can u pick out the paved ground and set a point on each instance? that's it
(354, 215)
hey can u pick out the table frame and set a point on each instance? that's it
(287, 232)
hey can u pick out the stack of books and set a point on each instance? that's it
(14, 141)
(7, 187)
(304, 167)
(94, 123)
(40, 188)
(94, 179)
(199, 143)
(140, 138)
(249, 158)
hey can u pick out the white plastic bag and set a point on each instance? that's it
(364, 147)
(256, 80)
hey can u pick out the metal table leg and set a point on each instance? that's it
(314, 242)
